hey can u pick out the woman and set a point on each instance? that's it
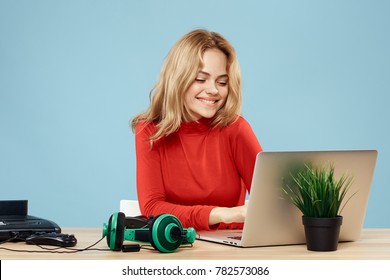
(195, 154)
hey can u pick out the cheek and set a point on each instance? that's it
(195, 88)
(190, 94)
(192, 91)
(224, 92)
(224, 95)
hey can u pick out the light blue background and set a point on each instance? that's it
(73, 73)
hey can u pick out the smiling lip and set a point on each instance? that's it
(207, 101)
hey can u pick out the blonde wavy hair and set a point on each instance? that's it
(179, 71)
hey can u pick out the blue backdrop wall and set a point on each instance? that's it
(73, 73)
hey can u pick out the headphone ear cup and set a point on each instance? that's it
(160, 233)
(115, 231)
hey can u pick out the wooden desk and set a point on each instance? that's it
(373, 245)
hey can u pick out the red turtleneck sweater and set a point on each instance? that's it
(197, 168)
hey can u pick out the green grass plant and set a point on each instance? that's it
(316, 192)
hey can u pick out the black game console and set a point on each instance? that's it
(16, 223)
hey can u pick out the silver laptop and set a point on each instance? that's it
(273, 220)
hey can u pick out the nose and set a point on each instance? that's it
(212, 89)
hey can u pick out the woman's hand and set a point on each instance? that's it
(227, 215)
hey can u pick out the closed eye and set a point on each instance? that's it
(222, 83)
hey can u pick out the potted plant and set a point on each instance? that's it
(319, 196)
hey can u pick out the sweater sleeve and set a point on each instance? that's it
(245, 147)
(150, 185)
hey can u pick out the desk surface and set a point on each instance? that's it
(374, 244)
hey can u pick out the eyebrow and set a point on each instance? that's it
(220, 76)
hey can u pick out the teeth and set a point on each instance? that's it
(208, 101)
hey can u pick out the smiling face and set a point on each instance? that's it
(209, 91)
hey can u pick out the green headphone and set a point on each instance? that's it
(164, 232)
